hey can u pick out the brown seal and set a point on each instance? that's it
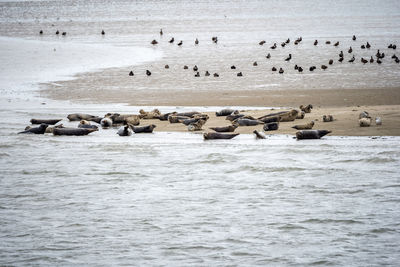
(154, 114)
(176, 118)
(49, 122)
(364, 122)
(118, 119)
(272, 126)
(311, 134)
(307, 126)
(211, 136)
(248, 122)
(306, 109)
(226, 112)
(196, 126)
(82, 116)
(327, 118)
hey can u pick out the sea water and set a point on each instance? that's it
(172, 198)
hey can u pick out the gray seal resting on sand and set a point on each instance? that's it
(311, 134)
(106, 122)
(271, 126)
(143, 129)
(226, 112)
(224, 129)
(82, 116)
(211, 136)
(36, 130)
(48, 122)
(248, 122)
(72, 131)
(87, 125)
(259, 135)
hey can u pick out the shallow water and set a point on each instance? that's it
(173, 198)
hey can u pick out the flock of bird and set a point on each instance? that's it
(378, 57)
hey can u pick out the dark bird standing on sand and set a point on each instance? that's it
(364, 61)
(214, 39)
(362, 46)
(195, 68)
(315, 42)
(289, 57)
(281, 71)
(274, 46)
(161, 32)
(233, 67)
(340, 59)
(166, 66)
(255, 63)
(288, 41)
(240, 74)
(103, 32)
(148, 73)
(273, 69)
(336, 44)
(196, 42)
(350, 50)
(262, 42)
(368, 46)
(268, 56)
(180, 43)
(328, 42)
(354, 38)
(330, 62)
(154, 42)
(371, 60)
(341, 54)
(185, 67)
(131, 73)
(312, 68)
(300, 69)
(57, 32)
(216, 75)
(324, 67)
(172, 40)
(197, 74)
(352, 59)
(64, 33)
(207, 73)
(41, 32)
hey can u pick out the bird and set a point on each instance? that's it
(324, 67)
(195, 68)
(330, 62)
(300, 69)
(262, 42)
(255, 63)
(312, 68)
(216, 75)
(196, 42)
(283, 44)
(273, 69)
(368, 46)
(103, 32)
(352, 59)
(363, 60)
(214, 39)
(289, 57)
(315, 42)
(154, 42)
(268, 56)
(180, 43)
(371, 60)
(296, 67)
(64, 33)
(336, 44)
(341, 54)
(378, 61)
(41, 32)
(281, 71)
(362, 46)
(288, 41)
(328, 42)
(57, 32)
(350, 50)
(233, 67)
(340, 59)
(172, 40)
(161, 32)
(240, 74)
(274, 46)
(131, 73)
(185, 67)
(148, 73)
(207, 73)
(166, 66)
(397, 60)
(197, 74)
(354, 38)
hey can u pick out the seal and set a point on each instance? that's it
(143, 129)
(224, 129)
(82, 116)
(188, 114)
(270, 119)
(154, 114)
(87, 125)
(118, 119)
(307, 126)
(284, 116)
(364, 122)
(48, 122)
(378, 121)
(272, 126)
(226, 112)
(233, 117)
(196, 126)
(106, 123)
(311, 134)
(259, 135)
(300, 115)
(306, 109)
(50, 129)
(211, 136)
(72, 131)
(248, 122)
(164, 117)
(327, 118)
(176, 118)
(364, 114)
(124, 131)
(35, 130)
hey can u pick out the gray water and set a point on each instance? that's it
(173, 199)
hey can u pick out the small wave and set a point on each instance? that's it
(323, 221)
(321, 262)
(290, 226)
(4, 155)
(382, 230)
